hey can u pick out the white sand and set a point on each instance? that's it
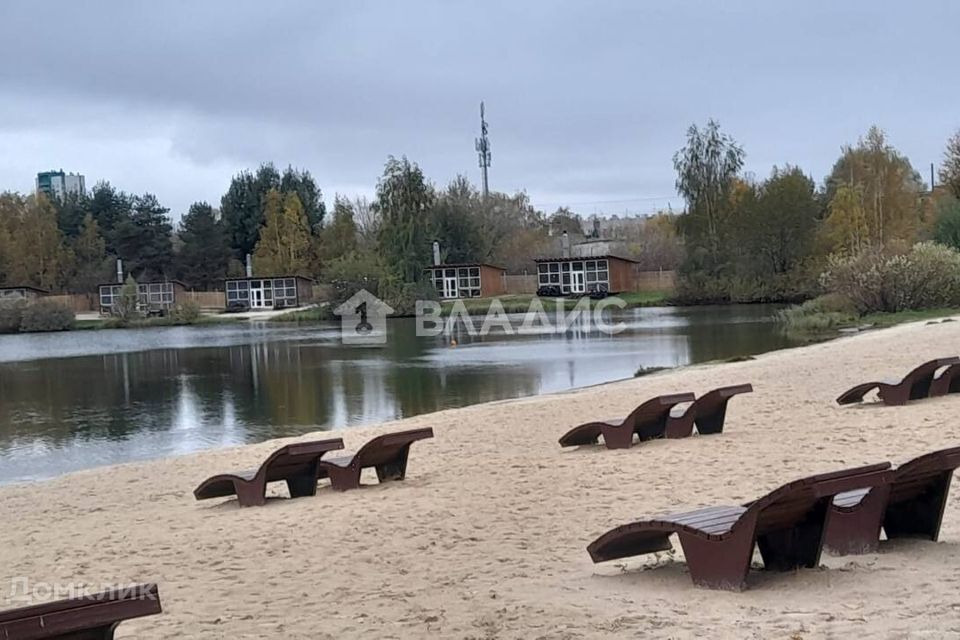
(486, 538)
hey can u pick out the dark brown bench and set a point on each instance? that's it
(92, 617)
(296, 464)
(387, 454)
(914, 386)
(911, 506)
(947, 382)
(649, 420)
(787, 524)
(708, 412)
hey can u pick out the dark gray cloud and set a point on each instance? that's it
(587, 101)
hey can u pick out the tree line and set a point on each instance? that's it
(280, 219)
(739, 238)
(746, 239)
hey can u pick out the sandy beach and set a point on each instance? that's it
(486, 538)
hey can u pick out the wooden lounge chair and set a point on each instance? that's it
(296, 464)
(911, 506)
(947, 382)
(387, 453)
(647, 421)
(787, 524)
(85, 618)
(914, 386)
(707, 412)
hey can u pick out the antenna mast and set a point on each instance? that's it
(483, 151)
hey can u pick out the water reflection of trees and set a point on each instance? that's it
(224, 395)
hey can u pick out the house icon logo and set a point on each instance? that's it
(363, 319)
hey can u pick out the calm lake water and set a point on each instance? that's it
(70, 401)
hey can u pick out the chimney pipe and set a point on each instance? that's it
(249, 266)
(119, 271)
(436, 253)
(564, 245)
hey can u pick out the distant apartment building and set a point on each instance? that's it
(57, 184)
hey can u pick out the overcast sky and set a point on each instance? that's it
(587, 101)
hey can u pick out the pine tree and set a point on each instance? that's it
(243, 207)
(204, 254)
(143, 240)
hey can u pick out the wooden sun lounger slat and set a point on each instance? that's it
(787, 525)
(388, 454)
(708, 413)
(947, 382)
(911, 506)
(917, 384)
(296, 464)
(92, 617)
(647, 421)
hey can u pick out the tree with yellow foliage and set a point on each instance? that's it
(284, 244)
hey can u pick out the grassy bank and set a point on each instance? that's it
(310, 314)
(114, 323)
(813, 317)
(521, 303)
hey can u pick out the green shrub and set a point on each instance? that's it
(187, 312)
(823, 313)
(45, 315)
(926, 277)
(127, 307)
(403, 296)
(11, 314)
(351, 273)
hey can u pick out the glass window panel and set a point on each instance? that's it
(542, 268)
(603, 275)
(554, 267)
(601, 264)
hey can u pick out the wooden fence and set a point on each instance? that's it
(78, 302)
(665, 281)
(514, 285)
(206, 300)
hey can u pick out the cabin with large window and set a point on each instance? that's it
(22, 292)
(267, 292)
(584, 275)
(466, 280)
(152, 297)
